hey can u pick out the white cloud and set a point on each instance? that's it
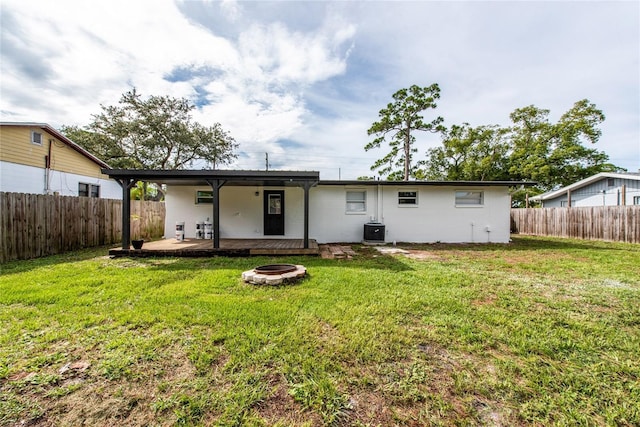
(231, 9)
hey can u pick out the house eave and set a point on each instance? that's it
(432, 183)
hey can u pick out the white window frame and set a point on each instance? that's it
(564, 203)
(33, 138)
(466, 201)
(350, 202)
(408, 198)
(636, 200)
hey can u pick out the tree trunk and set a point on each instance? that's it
(407, 152)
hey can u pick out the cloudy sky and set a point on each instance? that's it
(303, 81)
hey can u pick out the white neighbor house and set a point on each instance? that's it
(36, 158)
(602, 189)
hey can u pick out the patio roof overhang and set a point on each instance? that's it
(230, 177)
(215, 179)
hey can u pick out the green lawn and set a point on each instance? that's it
(537, 332)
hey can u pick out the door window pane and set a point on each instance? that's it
(274, 204)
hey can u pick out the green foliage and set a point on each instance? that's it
(152, 133)
(397, 123)
(467, 153)
(553, 154)
(145, 191)
(532, 149)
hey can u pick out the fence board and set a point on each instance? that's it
(33, 225)
(613, 223)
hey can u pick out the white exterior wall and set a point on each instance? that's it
(328, 219)
(434, 219)
(438, 219)
(241, 211)
(17, 178)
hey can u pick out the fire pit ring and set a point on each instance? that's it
(274, 274)
(273, 269)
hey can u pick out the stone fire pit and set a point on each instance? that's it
(274, 274)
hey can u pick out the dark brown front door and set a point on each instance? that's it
(274, 213)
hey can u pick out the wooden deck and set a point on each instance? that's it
(228, 247)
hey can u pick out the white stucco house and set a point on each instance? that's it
(36, 158)
(602, 189)
(298, 205)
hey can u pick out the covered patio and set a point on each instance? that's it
(228, 247)
(216, 179)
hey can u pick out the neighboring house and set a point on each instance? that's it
(603, 189)
(298, 205)
(36, 158)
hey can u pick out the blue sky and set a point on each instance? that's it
(303, 81)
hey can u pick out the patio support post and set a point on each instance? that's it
(306, 187)
(215, 186)
(126, 184)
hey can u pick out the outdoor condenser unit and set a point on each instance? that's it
(374, 232)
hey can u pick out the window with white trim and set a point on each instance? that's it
(204, 197)
(636, 200)
(408, 198)
(469, 198)
(564, 203)
(356, 201)
(36, 138)
(88, 190)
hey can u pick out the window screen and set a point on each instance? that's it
(204, 197)
(469, 198)
(356, 201)
(407, 197)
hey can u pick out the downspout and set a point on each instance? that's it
(376, 210)
(380, 205)
(47, 169)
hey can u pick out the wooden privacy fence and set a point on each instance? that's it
(614, 223)
(34, 225)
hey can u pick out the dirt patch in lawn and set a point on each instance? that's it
(279, 408)
(423, 255)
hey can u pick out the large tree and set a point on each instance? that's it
(554, 154)
(468, 153)
(153, 133)
(532, 149)
(397, 123)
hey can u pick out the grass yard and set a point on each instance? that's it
(537, 332)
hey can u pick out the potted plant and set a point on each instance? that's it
(137, 243)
